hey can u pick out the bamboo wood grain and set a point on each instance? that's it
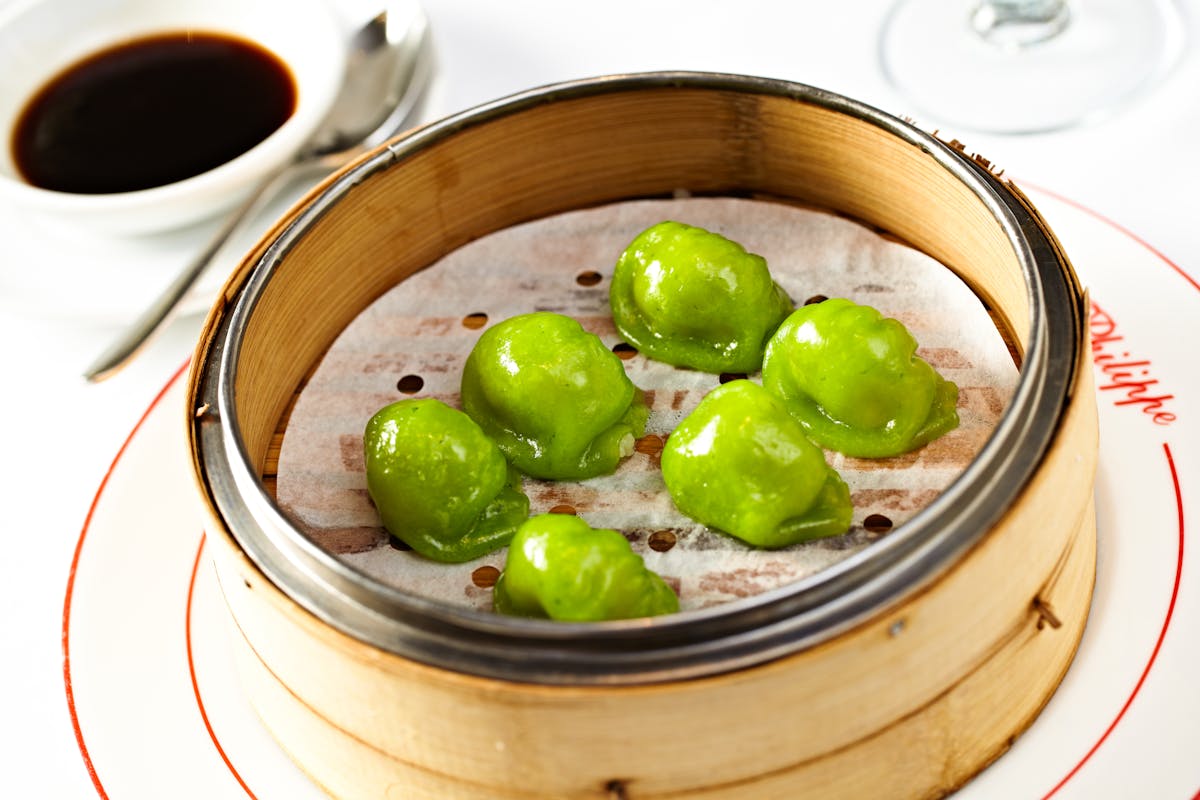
(589, 151)
(970, 651)
(909, 703)
(968, 671)
(924, 754)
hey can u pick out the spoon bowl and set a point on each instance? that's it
(387, 71)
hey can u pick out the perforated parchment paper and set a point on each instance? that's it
(425, 327)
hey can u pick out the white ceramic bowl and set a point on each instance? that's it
(39, 38)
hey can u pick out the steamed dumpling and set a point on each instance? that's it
(553, 397)
(852, 378)
(440, 485)
(692, 298)
(741, 464)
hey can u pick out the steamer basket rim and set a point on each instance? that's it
(695, 643)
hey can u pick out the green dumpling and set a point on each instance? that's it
(561, 568)
(439, 484)
(852, 378)
(740, 463)
(692, 298)
(553, 397)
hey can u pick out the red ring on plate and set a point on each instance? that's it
(70, 592)
(1157, 645)
(1120, 228)
(212, 734)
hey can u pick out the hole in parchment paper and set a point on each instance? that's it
(816, 298)
(726, 377)
(563, 509)
(589, 278)
(661, 541)
(475, 320)
(624, 351)
(410, 384)
(651, 444)
(485, 577)
(877, 523)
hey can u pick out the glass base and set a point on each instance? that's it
(957, 64)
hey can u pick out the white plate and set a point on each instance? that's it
(166, 710)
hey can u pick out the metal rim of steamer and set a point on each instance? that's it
(691, 644)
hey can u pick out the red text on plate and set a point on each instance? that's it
(1129, 375)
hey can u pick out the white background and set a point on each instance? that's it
(60, 434)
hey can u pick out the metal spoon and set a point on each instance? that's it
(387, 71)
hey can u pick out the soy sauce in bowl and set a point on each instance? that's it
(151, 111)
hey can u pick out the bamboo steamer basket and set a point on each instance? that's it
(900, 672)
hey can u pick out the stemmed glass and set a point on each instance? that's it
(1026, 66)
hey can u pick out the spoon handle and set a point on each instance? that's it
(161, 311)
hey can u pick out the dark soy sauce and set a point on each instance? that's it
(151, 112)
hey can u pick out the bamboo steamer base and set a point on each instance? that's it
(910, 704)
(909, 698)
